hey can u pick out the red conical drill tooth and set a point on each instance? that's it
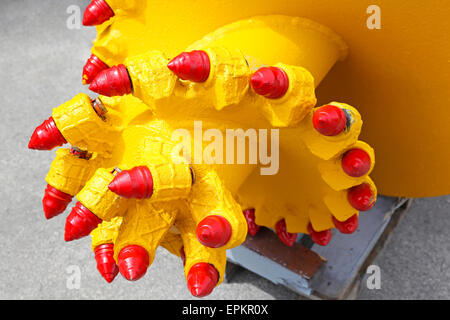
(322, 238)
(356, 163)
(202, 279)
(214, 231)
(194, 66)
(361, 197)
(111, 82)
(133, 262)
(285, 237)
(249, 215)
(55, 201)
(348, 226)
(329, 120)
(270, 82)
(46, 137)
(92, 68)
(136, 183)
(104, 255)
(80, 223)
(97, 12)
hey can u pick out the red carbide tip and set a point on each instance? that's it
(356, 163)
(133, 262)
(285, 237)
(80, 223)
(111, 82)
(270, 82)
(104, 255)
(361, 197)
(249, 215)
(322, 238)
(92, 68)
(214, 231)
(97, 12)
(202, 279)
(46, 137)
(193, 66)
(136, 183)
(348, 226)
(329, 120)
(55, 202)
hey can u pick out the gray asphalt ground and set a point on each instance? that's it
(41, 62)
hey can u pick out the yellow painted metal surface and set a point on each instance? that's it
(69, 173)
(102, 202)
(79, 123)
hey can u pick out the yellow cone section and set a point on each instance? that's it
(96, 196)
(295, 190)
(69, 173)
(81, 126)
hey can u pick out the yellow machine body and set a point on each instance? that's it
(397, 76)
